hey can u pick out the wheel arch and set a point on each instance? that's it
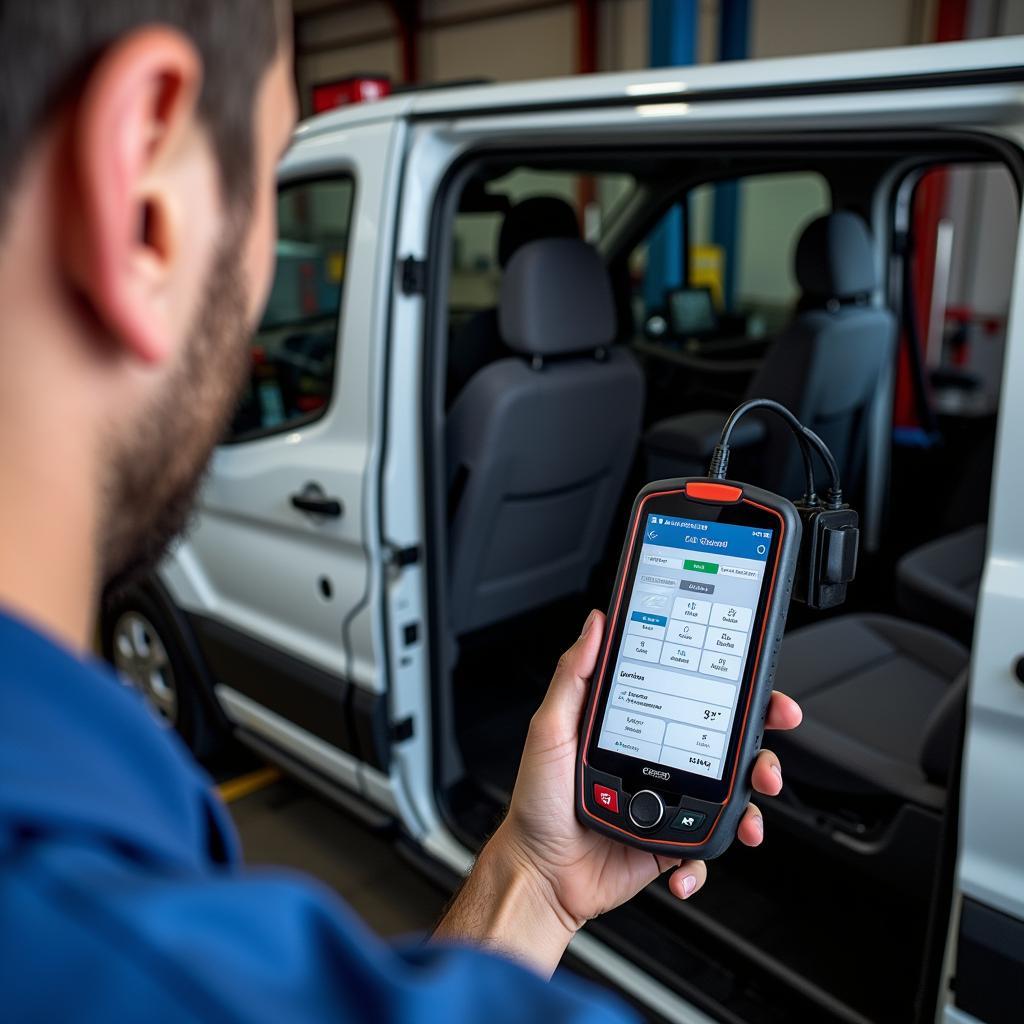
(184, 636)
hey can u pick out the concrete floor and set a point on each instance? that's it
(285, 823)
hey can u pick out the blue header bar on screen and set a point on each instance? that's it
(708, 538)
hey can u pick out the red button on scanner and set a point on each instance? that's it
(606, 798)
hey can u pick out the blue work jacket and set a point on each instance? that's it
(123, 896)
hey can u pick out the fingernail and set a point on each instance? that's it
(778, 772)
(759, 823)
(689, 884)
(588, 625)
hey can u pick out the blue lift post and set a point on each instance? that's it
(733, 44)
(673, 43)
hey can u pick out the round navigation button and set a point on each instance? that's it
(646, 809)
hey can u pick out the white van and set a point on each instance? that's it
(425, 488)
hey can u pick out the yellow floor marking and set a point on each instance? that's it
(235, 789)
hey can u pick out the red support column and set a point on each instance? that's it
(929, 205)
(407, 16)
(950, 20)
(586, 36)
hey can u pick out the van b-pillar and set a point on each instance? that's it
(673, 43)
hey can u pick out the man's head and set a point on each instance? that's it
(138, 141)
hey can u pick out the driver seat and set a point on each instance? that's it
(539, 443)
(824, 367)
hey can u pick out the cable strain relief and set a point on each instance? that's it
(834, 498)
(719, 462)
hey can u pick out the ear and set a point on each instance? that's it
(135, 117)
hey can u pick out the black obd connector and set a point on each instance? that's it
(828, 555)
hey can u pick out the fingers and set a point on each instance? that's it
(687, 879)
(568, 689)
(751, 830)
(783, 712)
(766, 778)
(767, 774)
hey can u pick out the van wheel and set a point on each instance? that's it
(143, 646)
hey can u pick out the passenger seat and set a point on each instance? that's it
(938, 582)
(883, 702)
(539, 444)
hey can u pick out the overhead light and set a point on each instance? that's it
(654, 88)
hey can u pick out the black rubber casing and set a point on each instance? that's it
(722, 817)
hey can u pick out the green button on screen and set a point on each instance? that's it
(711, 567)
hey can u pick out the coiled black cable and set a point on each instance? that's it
(806, 438)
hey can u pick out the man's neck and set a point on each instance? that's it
(48, 505)
(52, 401)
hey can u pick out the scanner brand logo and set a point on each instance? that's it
(654, 773)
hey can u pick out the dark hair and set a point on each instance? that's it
(49, 47)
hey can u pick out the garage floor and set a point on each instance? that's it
(284, 823)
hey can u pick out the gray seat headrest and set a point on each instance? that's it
(834, 258)
(532, 219)
(556, 299)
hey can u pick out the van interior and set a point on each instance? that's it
(595, 314)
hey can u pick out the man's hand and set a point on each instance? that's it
(548, 872)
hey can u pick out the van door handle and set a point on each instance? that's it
(313, 500)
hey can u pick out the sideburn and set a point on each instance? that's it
(158, 463)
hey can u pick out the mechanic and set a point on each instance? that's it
(138, 144)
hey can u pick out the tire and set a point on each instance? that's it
(143, 644)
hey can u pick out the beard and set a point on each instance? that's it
(157, 469)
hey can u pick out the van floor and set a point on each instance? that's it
(500, 680)
(284, 824)
(856, 939)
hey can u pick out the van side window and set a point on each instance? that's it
(956, 228)
(961, 229)
(293, 351)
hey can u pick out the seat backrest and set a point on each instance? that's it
(479, 342)
(539, 444)
(826, 365)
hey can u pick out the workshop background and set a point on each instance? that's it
(430, 41)
(353, 50)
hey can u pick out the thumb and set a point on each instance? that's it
(567, 692)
